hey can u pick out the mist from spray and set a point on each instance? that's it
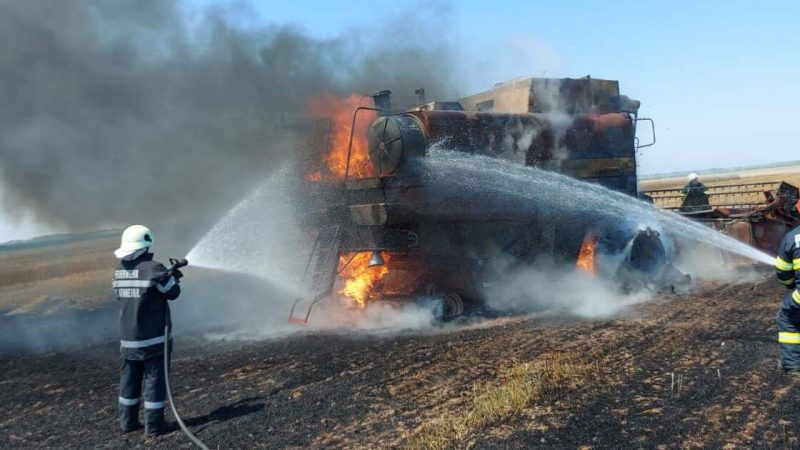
(703, 263)
(259, 236)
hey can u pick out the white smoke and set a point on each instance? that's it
(376, 317)
(559, 290)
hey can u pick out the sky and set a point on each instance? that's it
(719, 78)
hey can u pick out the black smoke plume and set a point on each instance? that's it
(119, 112)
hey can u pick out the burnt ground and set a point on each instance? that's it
(367, 391)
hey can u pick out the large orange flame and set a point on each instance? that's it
(359, 278)
(340, 112)
(586, 258)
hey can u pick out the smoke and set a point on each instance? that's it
(565, 290)
(706, 262)
(122, 112)
(559, 289)
(378, 317)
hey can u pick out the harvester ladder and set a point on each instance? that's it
(320, 269)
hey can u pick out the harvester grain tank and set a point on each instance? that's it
(441, 245)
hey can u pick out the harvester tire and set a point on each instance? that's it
(452, 306)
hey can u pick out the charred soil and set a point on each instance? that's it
(691, 371)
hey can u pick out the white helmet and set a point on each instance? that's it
(693, 176)
(135, 237)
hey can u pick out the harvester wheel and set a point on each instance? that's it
(452, 306)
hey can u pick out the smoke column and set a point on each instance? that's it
(119, 112)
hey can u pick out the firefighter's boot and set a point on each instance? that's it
(128, 418)
(154, 423)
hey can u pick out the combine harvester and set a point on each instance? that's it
(758, 214)
(387, 236)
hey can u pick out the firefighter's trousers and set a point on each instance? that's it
(132, 373)
(789, 334)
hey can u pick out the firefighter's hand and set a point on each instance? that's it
(177, 274)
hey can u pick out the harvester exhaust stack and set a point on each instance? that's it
(420, 95)
(383, 102)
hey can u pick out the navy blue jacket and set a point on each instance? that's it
(787, 263)
(142, 287)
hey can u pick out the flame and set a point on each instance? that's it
(586, 260)
(359, 278)
(340, 112)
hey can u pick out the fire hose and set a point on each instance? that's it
(183, 426)
(175, 265)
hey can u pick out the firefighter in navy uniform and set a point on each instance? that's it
(142, 287)
(694, 194)
(787, 264)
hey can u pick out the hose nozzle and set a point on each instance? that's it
(175, 264)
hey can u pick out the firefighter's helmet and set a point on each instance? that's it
(693, 176)
(135, 237)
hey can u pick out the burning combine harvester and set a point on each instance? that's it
(385, 234)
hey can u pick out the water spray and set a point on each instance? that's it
(554, 194)
(258, 236)
(261, 235)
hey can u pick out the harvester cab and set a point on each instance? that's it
(364, 194)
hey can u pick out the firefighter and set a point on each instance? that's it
(142, 287)
(787, 263)
(694, 194)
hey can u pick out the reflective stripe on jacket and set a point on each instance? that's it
(142, 287)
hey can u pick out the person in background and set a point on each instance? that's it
(694, 194)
